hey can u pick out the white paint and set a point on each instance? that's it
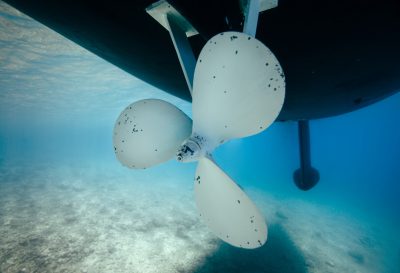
(238, 87)
(226, 209)
(149, 132)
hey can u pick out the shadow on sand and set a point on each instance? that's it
(279, 254)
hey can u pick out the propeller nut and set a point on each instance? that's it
(189, 151)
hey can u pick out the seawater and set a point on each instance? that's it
(67, 205)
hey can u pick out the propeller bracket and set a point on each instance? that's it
(251, 9)
(179, 29)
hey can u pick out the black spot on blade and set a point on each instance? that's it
(238, 201)
(233, 37)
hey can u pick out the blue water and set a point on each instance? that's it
(67, 205)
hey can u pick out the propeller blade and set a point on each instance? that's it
(238, 88)
(149, 132)
(226, 209)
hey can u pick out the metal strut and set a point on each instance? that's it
(179, 29)
(251, 10)
(183, 50)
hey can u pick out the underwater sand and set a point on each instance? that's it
(56, 218)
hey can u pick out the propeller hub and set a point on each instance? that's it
(193, 148)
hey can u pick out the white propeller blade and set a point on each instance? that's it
(226, 209)
(149, 132)
(238, 87)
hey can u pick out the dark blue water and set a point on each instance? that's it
(67, 205)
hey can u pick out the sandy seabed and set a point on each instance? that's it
(91, 219)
